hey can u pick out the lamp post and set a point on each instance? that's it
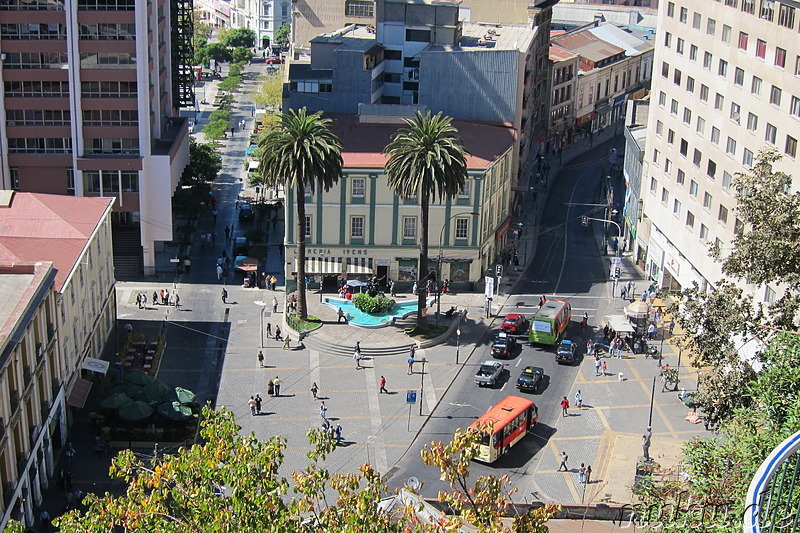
(439, 264)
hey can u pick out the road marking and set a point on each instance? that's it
(504, 386)
(519, 360)
(381, 461)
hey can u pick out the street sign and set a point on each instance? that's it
(411, 396)
(489, 292)
(616, 262)
(175, 260)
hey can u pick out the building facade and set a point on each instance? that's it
(361, 228)
(261, 16)
(216, 13)
(562, 94)
(727, 85)
(90, 95)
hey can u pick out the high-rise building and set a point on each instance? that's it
(726, 84)
(90, 94)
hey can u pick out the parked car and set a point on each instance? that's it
(275, 60)
(488, 373)
(240, 246)
(514, 323)
(530, 378)
(245, 212)
(566, 352)
(503, 346)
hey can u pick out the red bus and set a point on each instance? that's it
(507, 422)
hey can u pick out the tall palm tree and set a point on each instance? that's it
(301, 152)
(426, 160)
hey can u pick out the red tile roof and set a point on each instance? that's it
(48, 227)
(363, 143)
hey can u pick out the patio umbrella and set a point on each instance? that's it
(115, 401)
(135, 411)
(128, 389)
(137, 377)
(157, 389)
(247, 264)
(174, 411)
(638, 310)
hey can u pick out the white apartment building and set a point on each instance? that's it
(726, 84)
(261, 16)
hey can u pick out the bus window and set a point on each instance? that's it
(485, 437)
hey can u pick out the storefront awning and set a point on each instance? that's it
(95, 365)
(79, 393)
(603, 109)
(337, 265)
(619, 323)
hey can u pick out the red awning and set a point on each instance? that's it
(79, 393)
(502, 229)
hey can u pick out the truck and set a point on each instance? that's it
(488, 373)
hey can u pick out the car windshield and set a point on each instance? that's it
(510, 320)
(487, 368)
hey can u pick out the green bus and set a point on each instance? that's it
(550, 322)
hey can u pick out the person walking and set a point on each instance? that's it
(271, 388)
(278, 336)
(274, 304)
(277, 384)
(219, 272)
(224, 296)
(227, 234)
(582, 474)
(564, 407)
(70, 453)
(261, 359)
(155, 298)
(410, 364)
(314, 390)
(578, 400)
(341, 316)
(258, 404)
(357, 358)
(337, 431)
(604, 368)
(383, 386)
(287, 343)
(590, 347)
(252, 403)
(187, 265)
(323, 411)
(563, 463)
(588, 474)
(177, 300)
(596, 365)
(269, 329)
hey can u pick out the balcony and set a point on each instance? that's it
(175, 131)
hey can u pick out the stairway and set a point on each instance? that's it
(127, 254)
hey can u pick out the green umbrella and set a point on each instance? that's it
(174, 411)
(180, 395)
(115, 401)
(157, 389)
(128, 389)
(137, 377)
(135, 411)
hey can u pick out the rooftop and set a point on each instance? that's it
(364, 143)
(586, 44)
(23, 286)
(475, 35)
(617, 36)
(559, 54)
(351, 37)
(48, 227)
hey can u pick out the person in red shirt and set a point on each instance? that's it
(383, 385)
(564, 406)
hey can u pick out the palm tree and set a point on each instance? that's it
(426, 160)
(301, 153)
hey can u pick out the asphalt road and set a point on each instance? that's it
(567, 265)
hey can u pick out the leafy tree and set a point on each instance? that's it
(229, 84)
(282, 35)
(242, 53)
(201, 29)
(215, 51)
(215, 130)
(236, 69)
(426, 160)
(204, 162)
(269, 93)
(219, 114)
(239, 37)
(301, 153)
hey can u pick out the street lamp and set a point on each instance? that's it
(439, 264)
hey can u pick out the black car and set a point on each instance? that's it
(530, 378)
(245, 212)
(503, 346)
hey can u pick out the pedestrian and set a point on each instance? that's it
(357, 359)
(338, 432)
(177, 300)
(287, 343)
(623, 292)
(261, 359)
(278, 336)
(70, 453)
(271, 388)
(671, 327)
(651, 331)
(578, 400)
(590, 347)
(314, 390)
(323, 411)
(596, 365)
(606, 329)
(269, 329)
(383, 386)
(252, 403)
(274, 281)
(214, 214)
(232, 131)
(274, 304)
(410, 364)
(604, 368)
(187, 265)
(277, 384)
(564, 407)
(219, 272)
(227, 234)
(61, 479)
(155, 298)
(582, 474)
(341, 316)
(224, 296)
(44, 516)
(161, 295)
(258, 404)
(563, 464)
(358, 347)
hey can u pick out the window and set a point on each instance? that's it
(14, 171)
(727, 180)
(767, 9)
(656, 156)
(670, 137)
(786, 16)
(722, 214)
(714, 135)
(790, 149)
(676, 207)
(409, 228)
(707, 200)
(703, 233)
(719, 100)
(738, 76)
(679, 46)
(794, 107)
(755, 86)
(106, 5)
(711, 169)
(46, 145)
(707, 59)
(687, 115)
(769, 294)
(32, 31)
(693, 188)
(664, 69)
(704, 93)
(659, 127)
(690, 84)
(671, 9)
(359, 8)
(357, 227)
(676, 77)
(461, 228)
(797, 66)
(358, 187)
(653, 185)
(71, 184)
(736, 112)
(36, 89)
(684, 147)
(667, 166)
(113, 146)
(747, 158)
(664, 195)
(684, 15)
(419, 36)
(108, 60)
(668, 40)
(730, 147)
(701, 125)
(108, 32)
(780, 57)
(50, 60)
(761, 48)
(30, 117)
(662, 98)
(726, 34)
(693, 53)
(738, 227)
(711, 27)
(109, 117)
(689, 219)
(109, 89)
(463, 192)
(743, 37)
(697, 18)
(775, 96)
(722, 70)
(752, 122)
(674, 107)
(308, 227)
(771, 133)
(749, 6)
(681, 177)
(697, 157)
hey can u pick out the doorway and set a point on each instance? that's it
(382, 272)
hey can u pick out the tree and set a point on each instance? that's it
(269, 93)
(242, 53)
(230, 83)
(239, 37)
(301, 153)
(202, 31)
(215, 51)
(427, 160)
(282, 35)
(215, 130)
(204, 163)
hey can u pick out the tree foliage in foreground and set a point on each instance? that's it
(231, 483)
(204, 163)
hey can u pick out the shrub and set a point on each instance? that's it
(374, 305)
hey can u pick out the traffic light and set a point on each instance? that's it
(585, 220)
(617, 272)
(498, 271)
